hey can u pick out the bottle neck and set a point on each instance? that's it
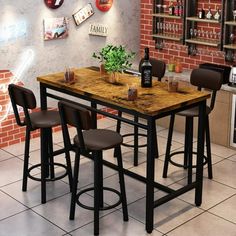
(146, 56)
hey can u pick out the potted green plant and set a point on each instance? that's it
(115, 60)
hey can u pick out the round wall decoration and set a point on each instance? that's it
(104, 5)
(54, 4)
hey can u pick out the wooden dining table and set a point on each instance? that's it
(151, 104)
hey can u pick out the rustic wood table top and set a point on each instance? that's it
(150, 101)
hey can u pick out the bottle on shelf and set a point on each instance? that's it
(217, 15)
(181, 8)
(171, 8)
(209, 14)
(201, 14)
(176, 11)
(146, 71)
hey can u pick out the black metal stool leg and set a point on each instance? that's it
(186, 143)
(122, 185)
(74, 185)
(100, 178)
(44, 163)
(50, 154)
(26, 160)
(69, 169)
(208, 145)
(189, 120)
(168, 146)
(118, 127)
(97, 162)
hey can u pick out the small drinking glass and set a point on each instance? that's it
(211, 35)
(195, 33)
(164, 8)
(159, 8)
(161, 27)
(191, 33)
(231, 38)
(234, 15)
(176, 28)
(158, 27)
(199, 33)
(167, 28)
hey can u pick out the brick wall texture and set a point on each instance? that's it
(176, 49)
(10, 132)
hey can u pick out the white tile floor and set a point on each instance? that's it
(22, 214)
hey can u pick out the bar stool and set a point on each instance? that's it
(158, 70)
(43, 120)
(92, 141)
(212, 81)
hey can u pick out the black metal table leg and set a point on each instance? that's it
(135, 142)
(43, 97)
(150, 174)
(200, 153)
(94, 115)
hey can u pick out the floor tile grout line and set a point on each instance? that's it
(222, 218)
(20, 212)
(234, 194)
(49, 221)
(201, 213)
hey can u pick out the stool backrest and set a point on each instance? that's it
(24, 98)
(76, 116)
(158, 67)
(208, 79)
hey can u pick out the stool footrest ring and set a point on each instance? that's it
(47, 179)
(184, 166)
(132, 145)
(102, 208)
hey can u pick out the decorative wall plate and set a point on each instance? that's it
(104, 5)
(53, 4)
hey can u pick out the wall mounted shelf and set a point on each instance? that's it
(164, 15)
(202, 42)
(168, 37)
(195, 18)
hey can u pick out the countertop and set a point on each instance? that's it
(185, 76)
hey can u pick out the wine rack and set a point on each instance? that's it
(194, 36)
(165, 26)
(230, 27)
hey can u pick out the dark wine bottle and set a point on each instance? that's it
(146, 71)
(201, 14)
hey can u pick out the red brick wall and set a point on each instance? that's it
(10, 132)
(175, 49)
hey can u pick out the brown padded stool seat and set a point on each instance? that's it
(45, 119)
(100, 139)
(193, 112)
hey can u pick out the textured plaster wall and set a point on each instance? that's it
(123, 21)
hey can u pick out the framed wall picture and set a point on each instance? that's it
(55, 28)
(83, 14)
